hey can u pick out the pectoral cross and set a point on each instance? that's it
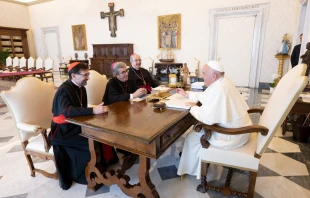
(112, 18)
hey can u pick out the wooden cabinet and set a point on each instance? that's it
(165, 68)
(15, 40)
(106, 54)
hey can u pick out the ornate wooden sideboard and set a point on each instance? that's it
(86, 62)
(163, 70)
(106, 54)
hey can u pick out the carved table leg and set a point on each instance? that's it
(148, 188)
(91, 167)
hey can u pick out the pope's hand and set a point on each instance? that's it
(182, 92)
(190, 104)
(139, 92)
(100, 109)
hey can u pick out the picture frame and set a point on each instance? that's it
(79, 37)
(169, 31)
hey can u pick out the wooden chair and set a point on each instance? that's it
(16, 64)
(247, 157)
(9, 64)
(23, 64)
(63, 67)
(48, 63)
(94, 92)
(148, 64)
(193, 65)
(32, 121)
(31, 66)
(39, 63)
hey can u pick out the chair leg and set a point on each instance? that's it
(251, 189)
(202, 187)
(30, 164)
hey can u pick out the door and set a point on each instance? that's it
(234, 50)
(52, 48)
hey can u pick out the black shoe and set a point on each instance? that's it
(180, 154)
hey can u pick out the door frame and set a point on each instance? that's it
(54, 29)
(260, 12)
(305, 28)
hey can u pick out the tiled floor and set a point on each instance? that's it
(283, 172)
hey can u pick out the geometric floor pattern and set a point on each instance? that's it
(283, 172)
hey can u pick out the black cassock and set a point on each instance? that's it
(142, 74)
(117, 91)
(295, 55)
(71, 150)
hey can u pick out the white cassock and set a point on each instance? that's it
(222, 104)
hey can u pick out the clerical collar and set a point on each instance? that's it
(135, 68)
(75, 84)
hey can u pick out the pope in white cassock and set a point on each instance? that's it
(223, 105)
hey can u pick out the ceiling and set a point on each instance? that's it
(27, 2)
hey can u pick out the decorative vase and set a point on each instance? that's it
(85, 56)
(76, 56)
(271, 90)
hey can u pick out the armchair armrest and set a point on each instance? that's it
(29, 128)
(256, 110)
(232, 131)
(228, 131)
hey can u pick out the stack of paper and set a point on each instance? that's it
(197, 85)
(159, 88)
(178, 101)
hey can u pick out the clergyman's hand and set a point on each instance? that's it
(100, 109)
(182, 92)
(139, 92)
(190, 104)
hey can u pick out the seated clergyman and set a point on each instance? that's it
(141, 77)
(120, 88)
(223, 105)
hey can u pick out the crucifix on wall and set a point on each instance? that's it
(112, 18)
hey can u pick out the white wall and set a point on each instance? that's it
(139, 26)
(17, 16)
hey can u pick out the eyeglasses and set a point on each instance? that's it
(85, 75)
(124, 72)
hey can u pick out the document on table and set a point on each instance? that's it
(178, 101)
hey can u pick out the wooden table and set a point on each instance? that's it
(137, 128)
(25, 73)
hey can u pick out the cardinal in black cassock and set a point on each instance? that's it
(140, 76)
(120, 88)
(71, 150)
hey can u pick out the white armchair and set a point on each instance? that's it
(16, 64)
(48, 63)
(148, 64)
(22, 63)
(30, 103)
(63, 67)
(39, 63)
(193, 65)
(247, 157)
(31, 66)
(95, 88)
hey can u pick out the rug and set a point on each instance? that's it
(5, 85)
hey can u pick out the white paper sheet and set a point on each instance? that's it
(178, 101)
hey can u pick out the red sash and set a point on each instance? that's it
(147, 87)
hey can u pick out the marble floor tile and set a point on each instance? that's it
(18, 196)
(283, 165)
(282, 146)
(5, 139)
(281, 187)
(303, 181)
(264, 172)
(102, 190)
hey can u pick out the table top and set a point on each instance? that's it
(22, 73)
(137, 121)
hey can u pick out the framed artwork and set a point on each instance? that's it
(169, 31)
(79, 37)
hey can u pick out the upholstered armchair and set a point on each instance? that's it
(32, 121)
(16, 64)
(63, 67)
(23, 63)
(9, 64)
(95, 88)
(31, 66)
(48, 63)
(247, 157)
(148, 64)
